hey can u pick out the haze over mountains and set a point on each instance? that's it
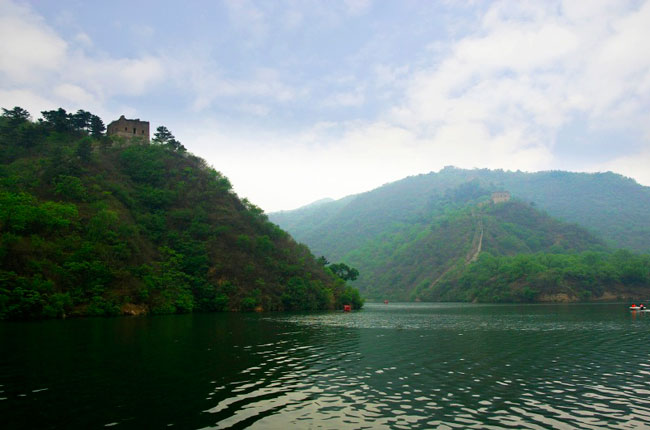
(405, 235)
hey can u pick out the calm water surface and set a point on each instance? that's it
(399, 366)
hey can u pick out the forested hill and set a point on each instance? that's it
(409, 263)
(95, 225)
(614, 207)
(420, 239)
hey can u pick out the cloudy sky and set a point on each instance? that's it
(299, 100)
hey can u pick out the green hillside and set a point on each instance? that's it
(418, 239)
(92, 225)
(546, 277)
(407, 269)
(614, 207)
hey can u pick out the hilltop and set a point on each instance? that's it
(97, 225)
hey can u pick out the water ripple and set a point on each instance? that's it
(396, 368)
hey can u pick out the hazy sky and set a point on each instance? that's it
(298, 100)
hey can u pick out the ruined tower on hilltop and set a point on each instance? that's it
(500, 197)
(129, 128)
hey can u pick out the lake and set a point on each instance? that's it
(400, 366)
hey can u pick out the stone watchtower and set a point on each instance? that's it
(129, 128)
(500, 197)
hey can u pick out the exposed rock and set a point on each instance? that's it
(133, 309)
(557, 298)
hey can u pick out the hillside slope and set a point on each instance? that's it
(93, 226)
(409, 270)
(614, 207)
(436, 237)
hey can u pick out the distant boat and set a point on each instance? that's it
(385, 302)
(347, 308)
(640, 307)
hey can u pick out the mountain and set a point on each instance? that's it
(615, 207)
(96, 225)
(411, 238)
(410, 270)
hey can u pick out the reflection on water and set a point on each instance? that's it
(388, 366)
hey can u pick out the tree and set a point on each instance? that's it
(59, 119)
(17, 129)
(96, 127)
(163, 136)
(16, 115)
(176, 145)
(344, 271)
(81, 120)
(322, 260)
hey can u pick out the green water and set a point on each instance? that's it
(387, 366)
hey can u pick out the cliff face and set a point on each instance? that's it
(91, 229)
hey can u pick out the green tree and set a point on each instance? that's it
(16, 115)
(81, 120)
(163, 136)
(344, 271)
(322, 260)
(70, 187)
(97, 127)
(58, 119)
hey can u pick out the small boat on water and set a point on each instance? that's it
(640, 307)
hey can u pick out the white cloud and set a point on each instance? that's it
(28, 47)
(205, 82)
(337, 159)
(496, 98)
(40, 71)
(27, 99)
(116, 76)
(635, 166)
(74, 94)
(84, 40)
(534, 69)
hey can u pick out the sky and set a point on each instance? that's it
(299, 100)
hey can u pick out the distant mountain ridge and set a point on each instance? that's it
(412, 237)
(615, 207)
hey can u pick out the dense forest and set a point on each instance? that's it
(99, 225)
(443, 245)
(581, 276)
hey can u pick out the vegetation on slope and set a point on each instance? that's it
(416, 239)
(92, 226)
(411, 269)
(615, 207)
(547, 277)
